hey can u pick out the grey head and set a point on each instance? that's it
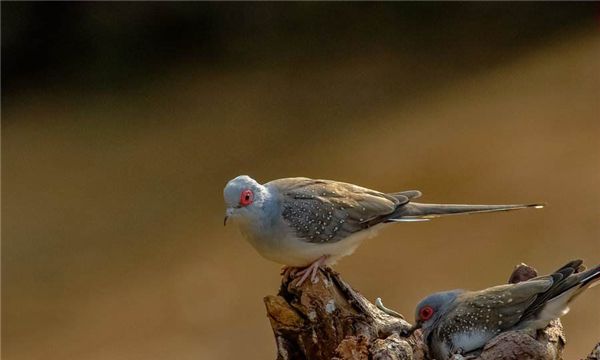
(432, 309)
(244, 198)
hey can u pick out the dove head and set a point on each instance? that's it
(432, 309)
(243, 197)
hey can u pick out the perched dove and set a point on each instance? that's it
(458, 321)
(306, 223)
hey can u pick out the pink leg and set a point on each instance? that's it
(311, 270)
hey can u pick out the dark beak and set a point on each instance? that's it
(228, 213)
(410, 331)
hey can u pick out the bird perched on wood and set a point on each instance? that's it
(306, 223)
(458, 321)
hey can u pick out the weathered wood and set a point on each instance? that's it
(327, 320)
(330, 320)
(595, 354)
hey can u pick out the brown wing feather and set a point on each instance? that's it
(329, 211)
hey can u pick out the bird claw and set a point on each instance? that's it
(310, 271)
(301, 276)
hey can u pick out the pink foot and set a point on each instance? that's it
(310, 270)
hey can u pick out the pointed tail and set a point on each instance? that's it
(590, 277)
(569, 282)
(572, 285)
(421, 212)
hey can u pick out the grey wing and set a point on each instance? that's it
(562, 280)
(329, 211)
(503, 306)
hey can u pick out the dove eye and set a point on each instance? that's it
(246, 197)
(425, 313)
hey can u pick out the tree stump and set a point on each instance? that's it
(330, 320)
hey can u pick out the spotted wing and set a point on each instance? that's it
(328, 211)
(500, 307)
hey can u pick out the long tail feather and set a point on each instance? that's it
(413, 211)
(591, 277)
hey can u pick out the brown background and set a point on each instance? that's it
(114, 156)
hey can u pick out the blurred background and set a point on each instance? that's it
(122, 122)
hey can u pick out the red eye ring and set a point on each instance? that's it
(246, 197)
(426, 313)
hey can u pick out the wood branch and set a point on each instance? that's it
(330, 320)
(595, 354)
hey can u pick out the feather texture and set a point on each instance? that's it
(471, 318)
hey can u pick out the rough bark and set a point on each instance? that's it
(595, 354)
(330, 320)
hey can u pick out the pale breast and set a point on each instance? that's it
(285, 248)
(471, 340)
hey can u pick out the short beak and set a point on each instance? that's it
(416, 326)
(228, 213)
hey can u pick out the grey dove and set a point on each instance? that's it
(458, 321)
(305, 223)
